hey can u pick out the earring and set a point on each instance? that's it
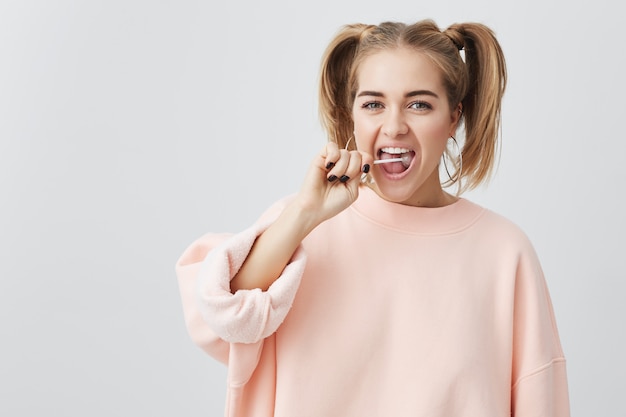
(348, 142)
(457, 163)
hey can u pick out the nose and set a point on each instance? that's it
(395, 124)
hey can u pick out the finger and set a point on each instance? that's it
(354, 167)
(367, 161)
(338, 170)
(331, 155)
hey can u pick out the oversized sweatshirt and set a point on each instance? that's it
(384, 310)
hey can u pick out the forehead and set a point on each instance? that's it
(400, 69)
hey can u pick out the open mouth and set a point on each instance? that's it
(404, 155)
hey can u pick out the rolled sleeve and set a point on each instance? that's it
(246, 316)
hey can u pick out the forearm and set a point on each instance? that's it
(274, 248)
(330, 186)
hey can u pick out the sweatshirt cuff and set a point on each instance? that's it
(246, 316)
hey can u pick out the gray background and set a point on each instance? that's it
(129, 128)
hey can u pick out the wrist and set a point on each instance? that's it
(305, 216)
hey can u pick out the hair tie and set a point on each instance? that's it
(456, 37)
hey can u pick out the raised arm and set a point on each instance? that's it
(330, 186)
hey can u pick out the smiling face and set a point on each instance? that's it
(401, 110)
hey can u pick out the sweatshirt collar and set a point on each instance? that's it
(421, 220)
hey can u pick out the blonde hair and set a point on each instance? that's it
(478, 84)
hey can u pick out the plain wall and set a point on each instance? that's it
(129, 128)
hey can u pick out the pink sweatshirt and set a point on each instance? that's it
(384, 310)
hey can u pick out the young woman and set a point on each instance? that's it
(373, 291)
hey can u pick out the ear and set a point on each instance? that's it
(455, 117)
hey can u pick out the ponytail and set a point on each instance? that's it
(486, 69)
(335, 99)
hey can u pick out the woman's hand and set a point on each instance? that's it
(332, 182)
(330, 186)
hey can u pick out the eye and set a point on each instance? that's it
(420, 105)
(372, 105)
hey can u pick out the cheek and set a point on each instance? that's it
(363, 142)
(365, 130)
(434, 137)
(438, 129)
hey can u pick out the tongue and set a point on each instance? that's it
(392, 167)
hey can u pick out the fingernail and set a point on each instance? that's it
(332, 178)
(366, 168)
(344, 178)
(330, 165)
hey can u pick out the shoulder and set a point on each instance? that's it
(501, 229)
(500, 241)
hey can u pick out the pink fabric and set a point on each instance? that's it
(394, 311)
(247, 316)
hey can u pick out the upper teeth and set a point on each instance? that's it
(395, 151)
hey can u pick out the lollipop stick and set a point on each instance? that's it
(386, 161)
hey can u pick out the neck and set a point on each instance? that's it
(431, 197)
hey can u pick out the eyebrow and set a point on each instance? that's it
(409, 94)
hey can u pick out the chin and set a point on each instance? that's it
(395, 194)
